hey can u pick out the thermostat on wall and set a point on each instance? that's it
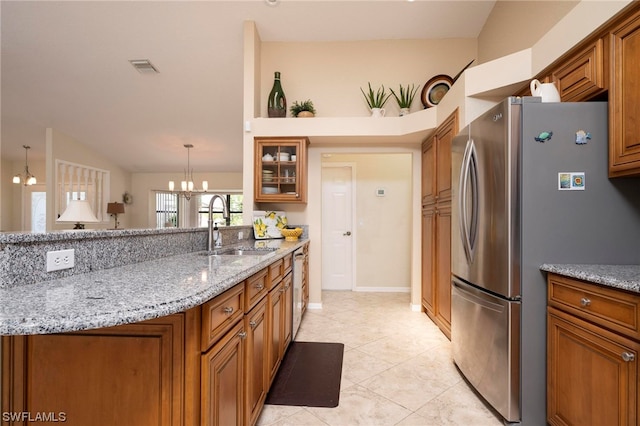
(380, 192)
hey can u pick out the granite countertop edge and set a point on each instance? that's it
(128, 294)
(624, 277)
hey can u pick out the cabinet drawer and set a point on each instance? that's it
(276, 272)
(255, 288)
(582, 76)
(220, 314)
(616, 310)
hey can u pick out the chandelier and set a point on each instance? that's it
(187, 188)
(26, 178)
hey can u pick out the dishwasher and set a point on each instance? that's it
(298, 266)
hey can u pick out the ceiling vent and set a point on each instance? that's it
(144, 66)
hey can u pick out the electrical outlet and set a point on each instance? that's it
(60, 259)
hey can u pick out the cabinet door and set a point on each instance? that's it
(592, 374)
(222, 386)
(443, 268)
(444, 137)
(129, 374)
(280, 173)
(581, 76)
(428, 246)
(276, 319)
(428, 171)
(624, 98)
(256, 357)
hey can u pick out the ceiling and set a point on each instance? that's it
(65, 65)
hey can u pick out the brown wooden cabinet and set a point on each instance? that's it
(223, 382)
(256, 361)
(305, 278)
(130, 374)
(582, 75)
(593, 344)
(280, 173)
(436, 223)
(624, 96)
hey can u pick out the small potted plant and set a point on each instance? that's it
(405, 98)
(376, 100)
(303, 109)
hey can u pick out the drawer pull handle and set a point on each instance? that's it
(585, 302)
(253, 324)
(259, 286)
(628, 356)
(242, 334)
(228, 310)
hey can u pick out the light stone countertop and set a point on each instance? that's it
(625, 277)
(129, 293)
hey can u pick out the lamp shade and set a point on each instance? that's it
(115, 208)
(78, 211)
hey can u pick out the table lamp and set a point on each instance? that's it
(78, 211)
(114, 209)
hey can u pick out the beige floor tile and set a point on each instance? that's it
(397, 368)
(360, 406)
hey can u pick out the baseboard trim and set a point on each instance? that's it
(383, 289)
(415, 308)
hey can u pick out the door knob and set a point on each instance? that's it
(347, 233)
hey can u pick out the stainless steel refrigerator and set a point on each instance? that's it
(530, 186)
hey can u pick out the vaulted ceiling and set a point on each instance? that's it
(65, 64)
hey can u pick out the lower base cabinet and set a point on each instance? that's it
(593, 345)
(210, 365)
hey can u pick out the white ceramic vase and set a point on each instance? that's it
(404, 111)
(378, 112)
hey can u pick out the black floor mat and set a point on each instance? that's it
(309, 375)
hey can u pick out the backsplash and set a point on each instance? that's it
(23, 255)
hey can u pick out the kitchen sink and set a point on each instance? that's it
(239, 251)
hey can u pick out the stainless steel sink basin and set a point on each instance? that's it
(239, 251)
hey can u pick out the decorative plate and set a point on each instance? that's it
(435, 89)
(267, 224)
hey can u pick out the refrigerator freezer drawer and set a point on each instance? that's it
(485, 338)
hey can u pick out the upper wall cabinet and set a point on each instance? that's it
(581, 76)
(280, 169)
(624, 97)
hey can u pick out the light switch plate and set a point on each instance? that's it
(60, 259)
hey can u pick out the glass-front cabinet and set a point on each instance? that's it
(280, 173)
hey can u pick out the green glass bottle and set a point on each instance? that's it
(277, 103)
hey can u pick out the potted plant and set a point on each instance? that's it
(405, 98)
(303, 109)
(376, 100)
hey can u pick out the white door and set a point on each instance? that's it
(337, 228)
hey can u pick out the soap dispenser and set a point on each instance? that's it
(217, 236)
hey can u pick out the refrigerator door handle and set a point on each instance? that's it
(468, 182)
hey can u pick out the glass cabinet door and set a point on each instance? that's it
(279, 173)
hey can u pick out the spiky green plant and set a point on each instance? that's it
(405, 98)
(376, 99)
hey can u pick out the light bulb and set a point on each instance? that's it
(183, 185)
(171, 185)
(205, 185)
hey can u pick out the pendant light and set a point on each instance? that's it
(26, 177)
(187, 187)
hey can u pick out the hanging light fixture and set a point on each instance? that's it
(187, 187)
(26, 178)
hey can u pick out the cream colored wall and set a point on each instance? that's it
(63, 147)
(516, 25)
(382, 225)
(143, 186)
(332, 73)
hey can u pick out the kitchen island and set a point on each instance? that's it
(593, 344)
(180, 340)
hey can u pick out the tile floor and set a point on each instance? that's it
(397, 368)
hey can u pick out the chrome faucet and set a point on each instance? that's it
(225, 215)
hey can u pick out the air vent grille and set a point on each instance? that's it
(144, 66)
